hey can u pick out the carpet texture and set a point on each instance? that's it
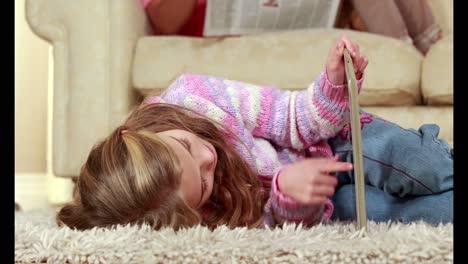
(37, 238)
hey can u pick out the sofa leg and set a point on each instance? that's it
(17, 207)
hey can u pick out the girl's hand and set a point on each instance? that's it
(335, 62)
(309, 181)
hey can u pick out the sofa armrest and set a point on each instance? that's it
(93, 46)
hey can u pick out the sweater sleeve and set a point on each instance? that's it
(294, 119)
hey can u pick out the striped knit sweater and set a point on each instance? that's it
(277, 126)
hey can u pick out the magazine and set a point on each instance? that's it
(240, 17)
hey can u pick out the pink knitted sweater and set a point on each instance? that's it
(277, 126)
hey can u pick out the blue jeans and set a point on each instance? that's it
(408, 173)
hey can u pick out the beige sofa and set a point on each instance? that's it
(105, 59)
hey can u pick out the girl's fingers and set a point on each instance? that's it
(363, 65)
(327, 180)
(323, 190)
(337, 53)
(339, 45)
(360, 68)
(357, 66)
(348, 44)
(335, 56)
(353, 48)
(340, 50)
(356, 49)
(329, 166)
(336, 157)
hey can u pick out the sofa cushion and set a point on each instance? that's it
(289, 60)
(416, 116)
(437, 73)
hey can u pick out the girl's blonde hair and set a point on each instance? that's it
(134, 177)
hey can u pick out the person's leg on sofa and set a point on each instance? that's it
(383, 207)
(399, 161)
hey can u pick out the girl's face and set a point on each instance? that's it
(198, 159)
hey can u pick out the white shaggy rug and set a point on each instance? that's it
(38, 239)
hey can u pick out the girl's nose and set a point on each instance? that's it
(205, 157)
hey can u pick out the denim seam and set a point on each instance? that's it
(411, 178)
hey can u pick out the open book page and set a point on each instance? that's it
(240, 17)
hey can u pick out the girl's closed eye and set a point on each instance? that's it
(187, 144)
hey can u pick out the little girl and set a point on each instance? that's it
(215, 152)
